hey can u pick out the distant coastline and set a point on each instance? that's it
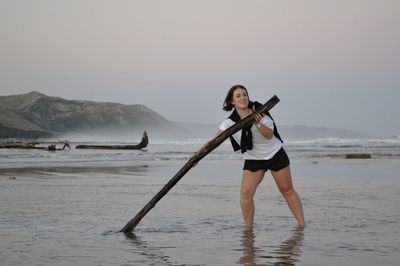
(35, 115)
(288, 131)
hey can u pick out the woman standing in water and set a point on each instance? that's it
(262, 148)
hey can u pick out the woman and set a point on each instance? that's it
(262, 148)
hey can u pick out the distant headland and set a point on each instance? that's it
(36, 115)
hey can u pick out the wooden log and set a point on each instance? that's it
(143, 144)
(32, 145)
(21, 146)
(358, 156)
(17, 146)
(210, 146)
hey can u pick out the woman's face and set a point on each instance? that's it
(240, 99)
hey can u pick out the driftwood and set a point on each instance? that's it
(32, 145)
(358, 156)
(143, 144)
(210, 146)
(18, 145)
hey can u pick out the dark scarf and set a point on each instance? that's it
(246, 139)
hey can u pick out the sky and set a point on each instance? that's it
(332, 63)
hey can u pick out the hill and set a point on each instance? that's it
(35, 115)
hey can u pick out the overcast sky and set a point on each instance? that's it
(332, 63)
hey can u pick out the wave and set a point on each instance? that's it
(165, 150)
(393, 140)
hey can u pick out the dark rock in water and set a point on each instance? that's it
(358, 156)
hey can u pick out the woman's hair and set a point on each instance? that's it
(229, 97)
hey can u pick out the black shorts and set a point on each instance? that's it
(276, 163)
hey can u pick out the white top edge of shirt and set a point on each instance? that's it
(263, 148)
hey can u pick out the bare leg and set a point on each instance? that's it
(250, 182)
(283, 180)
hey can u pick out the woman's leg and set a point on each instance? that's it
(250, 182)
(283, 179)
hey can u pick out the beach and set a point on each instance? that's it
(67, 207)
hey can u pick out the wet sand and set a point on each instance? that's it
(71, 214)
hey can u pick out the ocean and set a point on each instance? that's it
(388, 148)
(67, 207)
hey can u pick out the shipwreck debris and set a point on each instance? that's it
(143, 144)
(34, 145)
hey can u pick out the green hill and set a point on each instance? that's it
(34, 115)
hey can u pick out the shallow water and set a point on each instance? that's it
(70, 213)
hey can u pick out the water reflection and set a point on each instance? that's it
(145, 253)
(287, 253)
(250, 252)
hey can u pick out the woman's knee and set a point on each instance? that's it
(246, 193)
(283, 180)
(286, 190)
(250, 182)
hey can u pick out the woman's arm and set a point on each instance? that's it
(265, 131)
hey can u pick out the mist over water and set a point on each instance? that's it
(129, 135)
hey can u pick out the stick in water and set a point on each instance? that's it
(210, 146)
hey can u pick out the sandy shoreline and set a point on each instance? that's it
(71, 214)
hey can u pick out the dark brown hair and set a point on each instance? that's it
(229, 97)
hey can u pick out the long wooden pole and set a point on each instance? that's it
(210, 146)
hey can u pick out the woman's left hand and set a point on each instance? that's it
(258, 120)
(259, 117)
